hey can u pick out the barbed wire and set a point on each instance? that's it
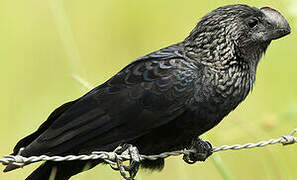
(116, 159)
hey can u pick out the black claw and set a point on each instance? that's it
(203, 149)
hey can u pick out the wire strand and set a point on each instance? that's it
(115, 159)
(111, 156)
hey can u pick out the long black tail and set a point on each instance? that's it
(61, 170)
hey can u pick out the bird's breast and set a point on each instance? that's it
(221, 91)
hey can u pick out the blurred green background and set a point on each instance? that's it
(44, 42)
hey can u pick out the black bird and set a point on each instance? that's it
(165, 100)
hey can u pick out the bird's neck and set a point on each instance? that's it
(228, 74)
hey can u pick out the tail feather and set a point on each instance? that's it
(11, 167)
(42, 172)
(61, 170)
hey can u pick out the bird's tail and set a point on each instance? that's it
(61, 170)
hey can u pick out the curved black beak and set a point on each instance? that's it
(280, 26)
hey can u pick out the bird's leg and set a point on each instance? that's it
(135, 159)
(203, 149)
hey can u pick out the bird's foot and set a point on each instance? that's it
(202, 150)
(133, 167)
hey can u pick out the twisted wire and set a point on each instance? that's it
(110, 157)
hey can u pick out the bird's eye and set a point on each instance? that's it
(252, 22)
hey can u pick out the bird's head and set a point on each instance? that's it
(235, 32)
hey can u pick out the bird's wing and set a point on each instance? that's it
(146, 94)
(44, 126)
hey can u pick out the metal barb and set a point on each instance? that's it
(291, 139)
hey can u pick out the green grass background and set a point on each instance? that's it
(43, 42)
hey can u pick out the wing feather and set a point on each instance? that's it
(145, 95)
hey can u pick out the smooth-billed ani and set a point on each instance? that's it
(165, 100)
